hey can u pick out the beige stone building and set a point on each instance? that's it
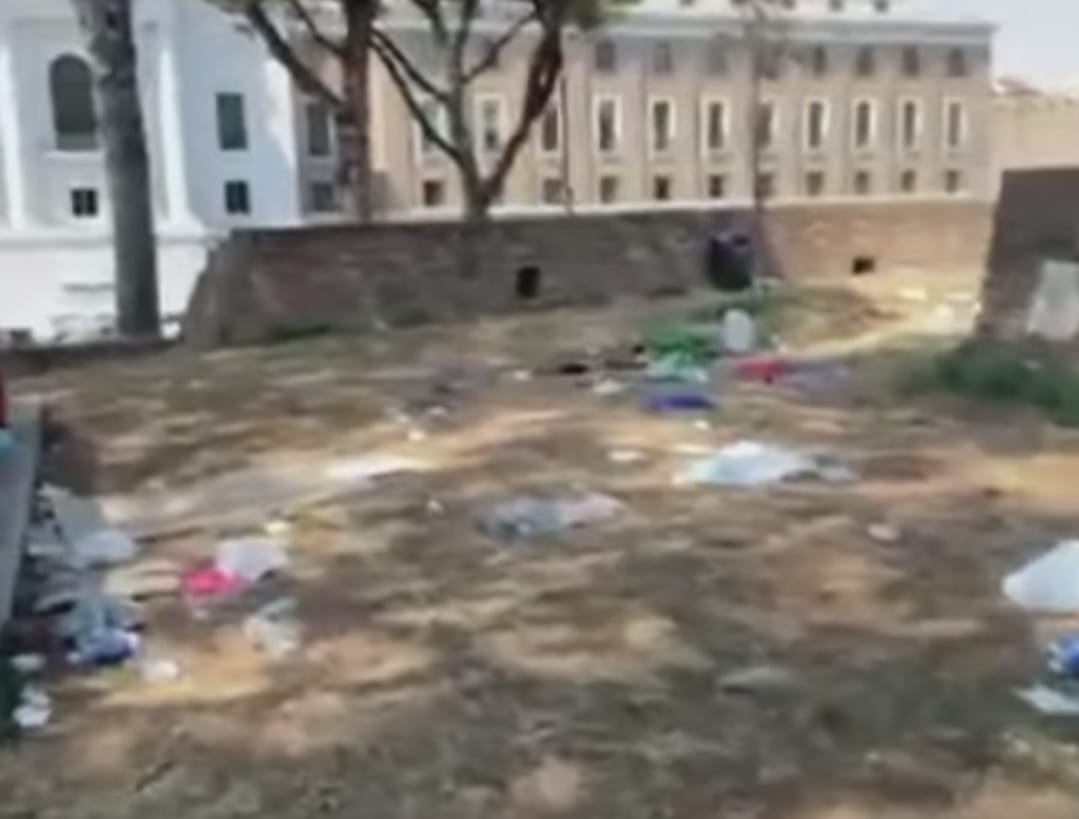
(864, 98)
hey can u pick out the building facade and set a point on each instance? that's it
(859, 98)
(856, 99)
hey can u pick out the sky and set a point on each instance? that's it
(1038, 39)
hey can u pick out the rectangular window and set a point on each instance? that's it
(816, 124)
(953, 181)
(911, 61)
(608, 124)
(231, 122)
(84, 204)
(864, 124)
(766, 124)
(551, 131)
(769, 62)
(766, 185)
(955, 124)
(908, 181)
(661, 188)
(608, 189)
(957, 63)
(717, 186)
(910, 124)
(435, 114)
(814, 183)
(865, 62)
(717, 64)
(863, 183)
(661, 118)
(322, 197)
(818, 61)
(319, 120)
(715, 123)
(433, 193)
(663, 59)
(552, 191)
(237, 198)
(606, 57)
(489, 123)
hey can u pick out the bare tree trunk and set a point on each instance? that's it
(356, 114)
(108, 28)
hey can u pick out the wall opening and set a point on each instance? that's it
(529, 282)
(863, 265)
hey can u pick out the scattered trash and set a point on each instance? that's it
(34, 710)
(275, 629)
(28, 664)
(368, 467)
(521, 375)
(250, 559)
(883, 533)
(573, 368)
(1064, 656)
(106, 547)
(683, 345)
(676, 369)
(608, 386)
(758, 679)
(738, 332)
(529, 517)
(277, 528)
(679, 401)
(207, 583)
(105, 647)
(1053, 313)
(1050, 701)
(161, 670)
(749, 463)
(625, 456)
(1049, 583)
(764, 369)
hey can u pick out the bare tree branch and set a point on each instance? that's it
(432, 10)
(282, 51)
(317, 34)
(495, 48)
(544, 69)
(412, 102)
(389, 52)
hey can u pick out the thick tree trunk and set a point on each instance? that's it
(108, 28)
(354, 120)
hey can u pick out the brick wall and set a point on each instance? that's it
(261, 284)
(1037, 217)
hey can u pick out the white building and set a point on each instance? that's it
(219, 123)
(900, 102)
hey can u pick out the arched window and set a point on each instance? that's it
(71, 92)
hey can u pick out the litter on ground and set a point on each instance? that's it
(531, 517)
(1049, 583)
(751, 464)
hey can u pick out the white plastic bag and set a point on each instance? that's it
(749, 463)
(1054, 308)
(1049, 583)
(738, 331)
(250, 559)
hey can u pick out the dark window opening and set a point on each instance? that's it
(73, 114)
(237, 198)
(433, 193)
(529, 281)
(231, 122)
(863, 265)
(661, 188)
(84, 203)
(729, 261)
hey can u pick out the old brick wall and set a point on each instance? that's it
(1036, 217)
(262, 284)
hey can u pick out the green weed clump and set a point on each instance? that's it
(1005, 374)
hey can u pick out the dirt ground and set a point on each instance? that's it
(445, 674)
